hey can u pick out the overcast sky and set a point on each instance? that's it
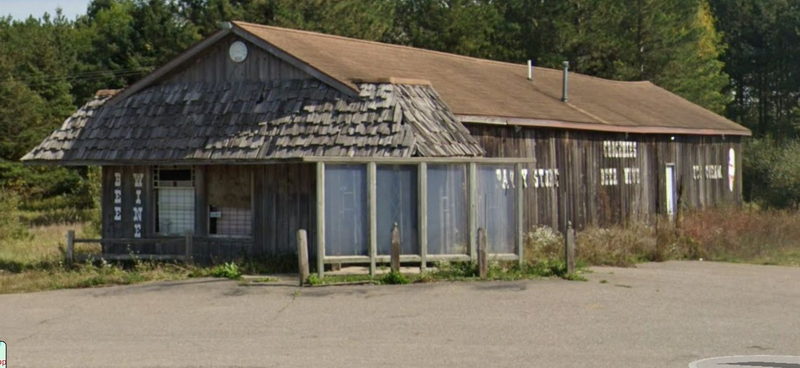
(21, 9)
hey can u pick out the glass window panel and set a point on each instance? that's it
(448, 231)
(397, 203)
(346, 210)
(497, 207)
(175, 210)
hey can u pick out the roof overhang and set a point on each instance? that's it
(542, 123)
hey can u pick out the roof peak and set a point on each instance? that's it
(419, 49)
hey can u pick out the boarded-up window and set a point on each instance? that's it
(174, 188)
(397, 203)
(497, 207)
(229, 201)
(448, 231)
(346, 210)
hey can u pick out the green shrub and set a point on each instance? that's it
(393, 278)
(10, 225)
(313, 280)
(456, 270)
(771, 172)
(228, 270)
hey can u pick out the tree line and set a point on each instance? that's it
(734, 57)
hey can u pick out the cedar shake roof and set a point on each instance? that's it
(197, 122)
(477, 89)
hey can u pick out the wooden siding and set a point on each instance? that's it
(216, 66)
(282, 201)
(580, 160)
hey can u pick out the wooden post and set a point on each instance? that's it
(70, 255)
(372, 205)
(483, 262)
(395, 256)
(472, 215)
(519, 183)
(189, 247)
(569, 248)
(422, 215)
(302, 255)
(320, 219)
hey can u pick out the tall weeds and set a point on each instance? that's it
(731, 234)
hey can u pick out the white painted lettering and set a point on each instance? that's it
(620, 149)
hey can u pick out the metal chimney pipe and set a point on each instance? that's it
(530, 70)
(565, 83)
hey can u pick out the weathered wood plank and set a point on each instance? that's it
(321, 219)
(302, 256)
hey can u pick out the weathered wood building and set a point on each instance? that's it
(258, 131)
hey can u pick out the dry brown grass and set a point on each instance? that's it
(746, 234)
(43, 245)
(35, 262)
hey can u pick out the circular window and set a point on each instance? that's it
(238, 51)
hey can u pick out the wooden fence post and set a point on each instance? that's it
(569, 248)
(302, 255)
(189, 247)
(372, 204)
(70, 255)
(395, 248)
(483, 261)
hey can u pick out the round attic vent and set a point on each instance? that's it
(238, 51)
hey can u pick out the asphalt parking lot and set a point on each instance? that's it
(656, 315)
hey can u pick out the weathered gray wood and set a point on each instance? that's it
(520, 219)
(132, 257)
(544, 123)
(171, 65)
(395, 254)
(422, 214)
(321, 219)
(302, 255)
(70, 252)
(472, 216)
(297, 63)
(200, 201)
(409, 160)
(189, 247)
(372, 205)
(569, 248)
(483, 261)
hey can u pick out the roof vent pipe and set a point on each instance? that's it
(565, 83)
(530, 69)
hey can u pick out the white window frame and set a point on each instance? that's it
(188, 216)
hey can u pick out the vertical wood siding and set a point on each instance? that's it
(215, 65)
(580, 159)
(284, 199)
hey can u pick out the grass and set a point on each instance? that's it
(41, 247)
(33, 261)
(458, 271)
(89, 275)
(740, 235)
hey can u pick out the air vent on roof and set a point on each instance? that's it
(564, 85)
(530, 69)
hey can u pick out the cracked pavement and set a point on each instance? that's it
(657, 315)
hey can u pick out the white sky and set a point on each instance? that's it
(21, 9)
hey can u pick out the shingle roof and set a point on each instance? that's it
(195, 122)
(478, 87)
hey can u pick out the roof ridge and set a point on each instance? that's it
(419, 49)
(345, 38)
